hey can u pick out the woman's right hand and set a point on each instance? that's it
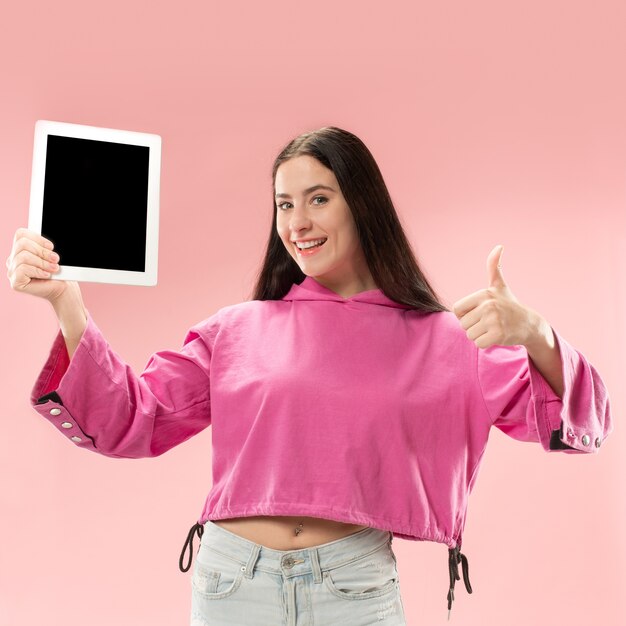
(29, 267)
(30, 264)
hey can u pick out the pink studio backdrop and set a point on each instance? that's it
(492, 123)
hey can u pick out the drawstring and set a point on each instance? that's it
(454, 557)
(197, 527)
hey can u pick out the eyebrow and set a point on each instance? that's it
(306, 191)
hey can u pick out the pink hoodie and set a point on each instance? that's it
(357, 409)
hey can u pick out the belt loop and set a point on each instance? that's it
(252, 559)
(315, 564)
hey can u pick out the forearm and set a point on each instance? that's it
(543, 349)
(72, 315)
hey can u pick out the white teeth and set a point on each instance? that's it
(309, 244)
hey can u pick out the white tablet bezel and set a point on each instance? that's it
(43, 128)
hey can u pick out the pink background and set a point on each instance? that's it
(492, 122)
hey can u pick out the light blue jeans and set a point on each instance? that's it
(351, 581)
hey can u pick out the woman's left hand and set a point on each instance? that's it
(494, 316)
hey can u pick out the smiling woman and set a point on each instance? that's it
(327, 184)
(319, 231)
(328, 392)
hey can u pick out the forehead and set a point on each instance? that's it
(299, 172)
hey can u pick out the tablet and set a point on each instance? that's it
(95, 194)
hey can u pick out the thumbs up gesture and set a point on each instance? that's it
(494, 316)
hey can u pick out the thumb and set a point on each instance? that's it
(494, 267)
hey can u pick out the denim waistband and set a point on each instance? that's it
(298, 560)
(326, 555)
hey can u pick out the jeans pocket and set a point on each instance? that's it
(215, 575)
(369, 576)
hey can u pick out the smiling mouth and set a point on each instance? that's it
(310, 248)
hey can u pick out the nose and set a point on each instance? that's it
(299, 220)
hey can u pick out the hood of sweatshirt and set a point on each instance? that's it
(310, 289)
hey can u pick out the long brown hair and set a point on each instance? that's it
(386, 248)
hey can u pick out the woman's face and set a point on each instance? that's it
(307, 214)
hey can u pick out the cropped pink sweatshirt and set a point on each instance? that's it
(361, 409)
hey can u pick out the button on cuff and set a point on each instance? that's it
(65, 423)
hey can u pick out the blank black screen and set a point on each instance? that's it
(95, 202)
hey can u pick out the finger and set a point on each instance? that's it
(24, 274)
(471, 318)
(29, 258)
(466, 304)
(25, 251)
(479, 329)
(36, 237)
(27, 243)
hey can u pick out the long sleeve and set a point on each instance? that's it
(100, 404)
(522, 404)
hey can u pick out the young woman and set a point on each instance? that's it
(348, 405)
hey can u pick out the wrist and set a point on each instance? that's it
(70, 311)
(540, 334)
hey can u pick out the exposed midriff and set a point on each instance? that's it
(278, 532)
